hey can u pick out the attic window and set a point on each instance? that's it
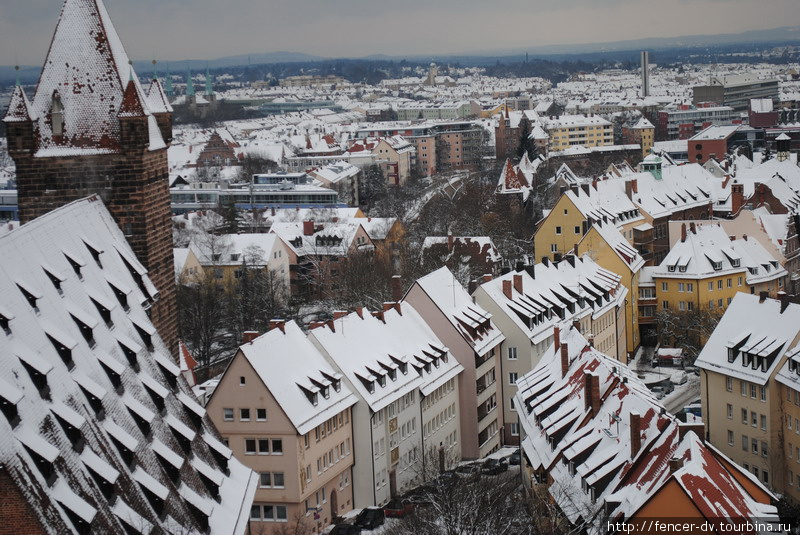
(37, 369)
(168, 368)
(95, 252)
(170, 461)
(126, 445)
(193, 409)
(121, 296)
(312, 396)
(156, 392)
(155, 492)
(71, 422)
(219, 451)
(140, 414)
(682, 268)
(113, 369)
(211, 478)
(57, 115)
(393, 374)
(9, 397)
(43, 454)
(671, 269)
(216, 257)
(104, 312)
(326, 392)
(382, 380)
(130, 354)
(732, 354)
(145, 335)
(76, 266)
(103, 473)
(136, 274)
(56, 280)
(717, 266)
(31, 296)
(86, 331)
(183, 435)
(5, 319)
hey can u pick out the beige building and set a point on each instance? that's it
(526, 308)
(224, 257)
(286, 414)
(587, 130)
(474, 340)
(743, 403)
(396, 156)
(406, 420)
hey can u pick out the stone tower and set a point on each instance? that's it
(92, 129)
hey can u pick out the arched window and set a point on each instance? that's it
(57, 115)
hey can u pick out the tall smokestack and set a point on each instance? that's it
(645, 73)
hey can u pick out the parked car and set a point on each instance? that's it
(421, 496)
(345, 529)
(493, 467)
(370, 518)
(515, 458)
(397, 508)
(469, 470)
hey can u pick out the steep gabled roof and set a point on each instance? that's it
(89, 68)
(18, 107)
(157, 99)
(81, 359)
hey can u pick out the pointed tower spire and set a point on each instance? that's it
(209, 85)
(16, 68)
(155, 70)
(168, 82)
(131, 103)
(189, 83)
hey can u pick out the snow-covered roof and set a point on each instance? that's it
(680, 187)
(573, 288)
(585, 442)
(303, 383)
(82, 359)
(751, 339)
(384, 359)
(604, 201)
(708, 251)
(328, 238)
(472, 322)
(235, 249)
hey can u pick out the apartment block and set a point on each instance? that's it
(286, 414)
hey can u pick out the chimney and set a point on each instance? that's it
(636, 433)
(388, 306)
(545, 261)
(591, 393)
(308, 228)
(315, 324)
(449, 242)
(487, 277)
(360, 312)
(530, 269)
(507, 289)
(744, 237)
(675, 464)
(762, 296)
(518, 283)
(635, 185)
(629, 189)
(586, 189)
(249, 336)
(520, 265)
(692, 227)
(564, 360)
(696, 427)
(279, 324)
(397, 287)
(272, 211)
(330, 324)
(378, 314)
(784, 299)
(576, 325)
(472, 286)
(338, 314)
(683, 232)
(557, 337)
(737, 197)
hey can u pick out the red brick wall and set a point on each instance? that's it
(17, 516)
(134, 186)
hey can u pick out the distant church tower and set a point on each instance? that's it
(92, 129)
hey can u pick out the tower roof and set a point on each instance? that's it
(18, 107)
(89, 68)
(131, 103)
(157, 99)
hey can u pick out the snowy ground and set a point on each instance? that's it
(687, 384)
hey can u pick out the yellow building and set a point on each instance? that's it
(577, 210)
(705, 270)
(224, 257)
(642, 133)
(606, 246)
(585, 130)
(744, 405)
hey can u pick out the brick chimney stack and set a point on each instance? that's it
(518, 283)
(557, 337)
(507, 289)
(277, 324)
(308, 228)
(397, 287)
(683, 232)
(636, 433)
(591, 393)
(564, 360)
(784, 299)
(249, 336)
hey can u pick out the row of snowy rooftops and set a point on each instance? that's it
(607, 446)
(572, 288)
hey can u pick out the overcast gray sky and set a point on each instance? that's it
(208, 29)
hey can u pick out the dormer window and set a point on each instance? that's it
(121, 296)
(130, 355)
(337, 385)
(103, 473)
(145, 335)
(216, 257)
(71, 422)
(393, 374)
(736, 262)
(382, 380)
(9, 397)
(76, 266)
(86, 330)
(95, 252)
(326, 392)
(56, 280)
(732, 354)
(57, 115)
(170, 461)
(5, 320)
(31, 296)
(94, 394)
(682, 269)
(37, 369)
(671, 269)
(43, 454)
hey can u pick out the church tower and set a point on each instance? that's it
(91, 128)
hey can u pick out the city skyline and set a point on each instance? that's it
(176, 30)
